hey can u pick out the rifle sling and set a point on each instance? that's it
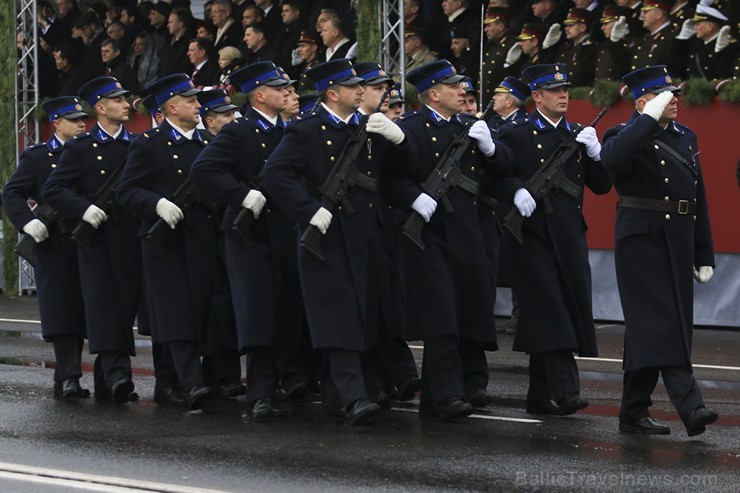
(677, 156)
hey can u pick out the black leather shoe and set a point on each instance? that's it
(298, 392)
(571, 403)
(447, 410)
(197, 397)
(408, 388)
(382, 399)
(70, 389)
(361, 411)
(121, 391)
(263, 409)
(169, 397)
(543, 406)
(698, 419)
(479, 398)
(643, 426)
(232, 389)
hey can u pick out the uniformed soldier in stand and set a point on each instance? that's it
(499, 41)
(662, 235)
(110, 275)
(552, 274)
(713, 53)
(335, 289)
(56, 271)
(530, 41)
(449, 294)
(181, 278)
(613, 54)
(263, 273)
(655, 46)
(390, 369)
(578, 51)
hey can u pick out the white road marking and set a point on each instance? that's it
(19, 321)
(479, 416)
(92, 482)
(709, 367)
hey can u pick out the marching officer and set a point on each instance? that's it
(662, 228)
(335, 289)
(216, 110)
(180, 273)
(449, 297)
(553, 276)
(263, 266)
(110, 273)
(509, 99)
(56, 270)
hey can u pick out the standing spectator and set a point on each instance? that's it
(159, 19)
(228, 31)
(613, 55)
(413, 16)
(596, 8)
(578, 51)
(68, 14)
(271, 17)
(205, 69)
(205, 30)
(662, 227)
(548, 12)
(337, 43)
(92, 35)
(143, 59)
(117, 31)
(229, 60)
(115, 65)
(53, 31)
(466, 59)
(174, 58)
(131, 18)
(71, 76)
(416, 49)
(285, 39)
(259, 48)
(324, 16)
(308, 49)
(252, 15)
(457, 16)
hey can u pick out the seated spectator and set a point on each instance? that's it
(259, 48)
(130, 18)
(251, 15)
(228, 31)
(158, 18)
(205, 30)
(416, 49)
(205, 69)
(338, 45)
(143, 59)
(465, 58)
(229, 59)
(115, 65)
(634, 19)
(54, 31)
(117, 31)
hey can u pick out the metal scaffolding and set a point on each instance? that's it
(390, 51)
(26, 104)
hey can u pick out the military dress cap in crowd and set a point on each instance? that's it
(395, 96)
(493, 14)
(657, 4)
(333, 72)
(85, 19)
(467, 85)
(418, 31)
(309, 37)
(257, 75)
(655, 79)
(163, 8)
(532, 30)
(613, 12)
(216, 100)
(306, 102)
(515, 87)
(151, 104)
(431, 74)
(546, 76)
(372, 73)
(101, 87)
(459, 32)
(67, 107)
(170, 86)
(707, 13)
(579, 15)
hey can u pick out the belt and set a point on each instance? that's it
(681, 207)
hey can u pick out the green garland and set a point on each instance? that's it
(606, 93)
(368, 31)
(730, 91)
(697, 91)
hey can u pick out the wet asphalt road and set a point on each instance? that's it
(501, 448)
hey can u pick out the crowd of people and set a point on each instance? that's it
(305, 233)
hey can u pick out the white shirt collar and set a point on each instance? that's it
(200, 65)
(271, 119)
(331, 51)
(345, 120)
(437, 113)
(188, 135)
(554, 124)
(456, 14)
(661, 27)
(118, 132)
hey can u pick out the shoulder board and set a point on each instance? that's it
(35, 146)
(239, 119)
(410, 114)
(519, 121)
(80, 136)
(151, 133)
(306, 117)
(683, 127)
(466, 117)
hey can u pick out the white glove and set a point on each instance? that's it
(481, 133)
(723, 39)
(588, 137)
(707, 3)
(552, 37)
(36, 230)
(513, 55)
(703, 274)
(620, 29)
(377, 123)
(524, 202)
(425, 206)
(94, 215)
(655, 107)
(687, 30)
(169, 212)
(254, 201)
(295, 58)
(322, 220)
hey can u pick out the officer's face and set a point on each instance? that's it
(217, 121)
(394, 112)
(293, 105)
(607, 29)
(495, 29)
(705, 30)
(67, 129)
(470, 105)
(450, 98)
(372, 96)
(575, 31)
(116, 110)
(458, 46)
(185, 110)
(671, 110)
(349, 98)
(500, 106)
(553, 103)
(274, 98)
(307, 51)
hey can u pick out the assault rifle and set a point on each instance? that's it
(548, 180)
(24, 247)
(105, 199)
(445, 177)
(342, 179)
(187, 197)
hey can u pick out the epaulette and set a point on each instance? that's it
(518, 121)
(151, 133)
(240, 119)
(306, 117)
(409, 115)
(81, 136)
(466, 117)
(587, 42)
(36, 146)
